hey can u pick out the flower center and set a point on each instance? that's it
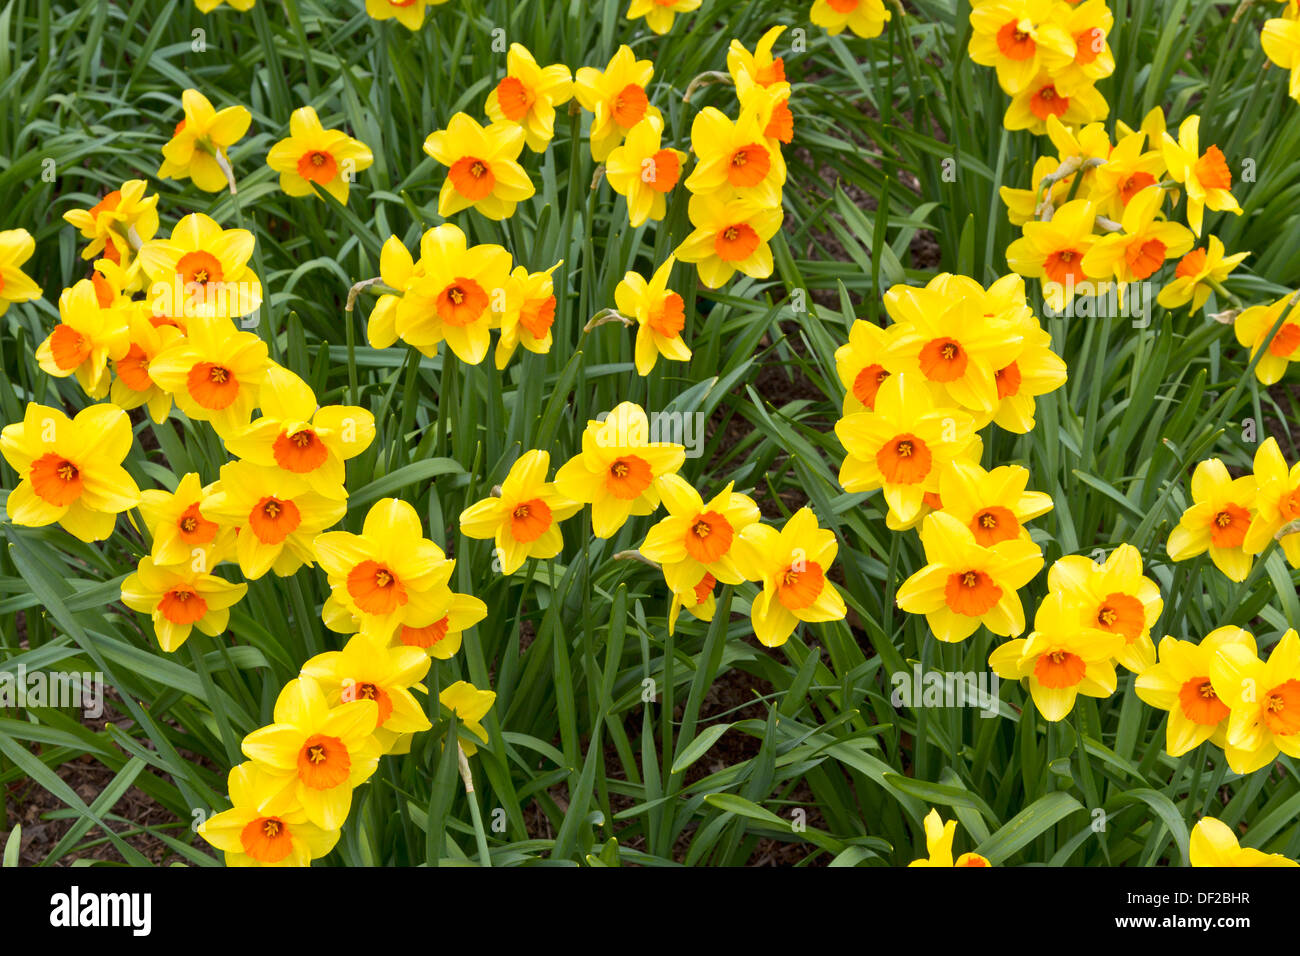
(628, 477)
(323, 762)
(375, 588)
(55, 479)
(971, 592)
(904, 460)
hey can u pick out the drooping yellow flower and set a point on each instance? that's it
(91, 331)
(1252, 327)
(214, 374)
(866, 18)
(1142, 247)
(865, 362)
(250, 837)
(524, 519)
(179, 598)
(1215, 844)
(616, 470)
(385, 576)
(1040, 99)
(16, 247)
(70, 470)
(698, 600)
(697, 538)
(1020, 39)
(616, 98)
(1126, 172)
(1115, 597)
(470, 705)
(315, 753)
(938, 845)
(202, 270)
(659, 14)
(1281, 42)
(1264, 700)
(118, 223)
(1197, 274)
(660, 316)
(132, 385)
(181, 532)
(399, 271)
(367, 670)
(296, 436)
(528, 95)
(730, 235)
(409, 13)
(1053, 251)
(529, 314)
(1180, 684)
(1060, 659)
(965, 584)
(735, 159)
(278, 514)
(791, 565)
(197, 149)
(1277, 503)
(460, 297)
(315, 156)
(760, 68)
(642, 170)
(1205, 176)
(441, 638)
(1217, 520)
(483, 171)
(771, 104)
(1087, 25)
(902, 445)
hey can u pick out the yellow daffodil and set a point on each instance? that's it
(1036, 369)
(1060, 659)
(132, 385)
(730, 235)
(459, 298)
(1215, 844)
(483, 171)
(659, 14)
(214, 374)
(1277, 503)
(660, 316)
(938, 845)
(616, 98)
(470, 705)
(1040, 99)
(1115, 597)
(1281, 42)
(771, 104)
(1205, 176)
(366, 670)
(388, 574)
(399, 271)
(296, 436)
(1126, 172)
(179, 598)
(965, 584)
(278, 515)
(201, 270)
(696, 539)
(181, 532)
(1020, 39)
(1252, 327)
(528, 95)
(760, 68)
(994, 505)
(1180, 684)
(316, 754)
(249, 837)
(1087, 24)
(791, 565)
(197, 149)
(315, 156)
(866, 18)
(1197, 273)
(902, 445)
(70, 470)
(89, 333)
(409, 13)
(645, 172)
(1053, 251)
(1217, 521)
(16, 247)
(1023, 205)
(524, 519)
(441, 638)
(698, 600)
(865, 362)
(529, 314)
(616, 470)
(735, 159)
(118, 223)
(1137, 252)
(1264, 700)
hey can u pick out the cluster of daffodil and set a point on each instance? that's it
(1049, 55)
(1235, 519)
(620, 473)
(1281, 42)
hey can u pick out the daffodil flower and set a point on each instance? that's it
(525, 518)
(1264, 700)
(314, 156)
(1113, 596)
(1215, 844)
(250, 837)
(179, 598)
(938, 844)
(1217, 521)
(528, 95)
(866, 18)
